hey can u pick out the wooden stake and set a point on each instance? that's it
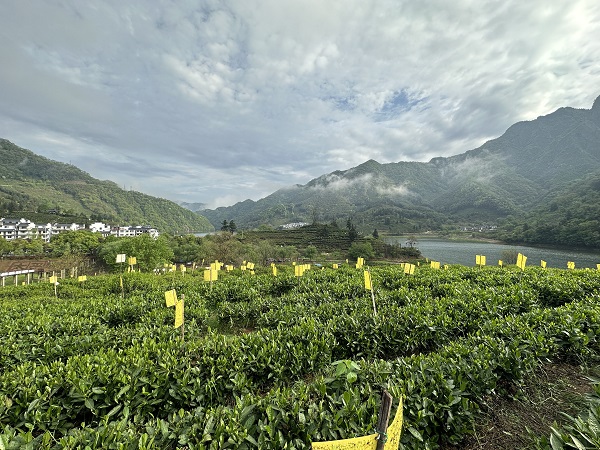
(183, 324)
(383, 419)
(373, 295)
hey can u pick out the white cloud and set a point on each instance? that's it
(399, 190)
(333, 182)
(182, 99)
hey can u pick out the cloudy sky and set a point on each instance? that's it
(220, 101)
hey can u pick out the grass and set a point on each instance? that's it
(513, 422)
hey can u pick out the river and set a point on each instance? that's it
(463, 252)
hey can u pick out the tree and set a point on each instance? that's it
(5, 247)
(287, 252)
(509, 256)
(265, 251)
(352, 234)
(34, 247)
(310, 252)
(224, 226)
(81, 242)
(226, 247)
(375, 234)
(360, 249)
(150, 253)
(232, 226)
(185, 248)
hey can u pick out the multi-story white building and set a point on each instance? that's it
(129, 231)
(58, 228)
(99, 227)
(24, 229)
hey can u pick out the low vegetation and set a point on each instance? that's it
(100, 365)
(307, 243)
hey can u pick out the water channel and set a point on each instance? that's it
(463, 252)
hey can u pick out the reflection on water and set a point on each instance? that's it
(454, 252)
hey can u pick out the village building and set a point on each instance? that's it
(25, 229)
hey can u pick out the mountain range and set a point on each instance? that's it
(31, 186)
(534, 164)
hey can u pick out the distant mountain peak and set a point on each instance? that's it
(596, 105)
(508, 175)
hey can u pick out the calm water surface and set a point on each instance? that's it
(455, 252)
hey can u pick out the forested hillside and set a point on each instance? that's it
(33, 185)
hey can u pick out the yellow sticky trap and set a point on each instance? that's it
(132, 260)
(570, 265)
(274, 271)
(543, 264)
(521, 260)
(82, 278)
(250, 266)
(598, 266)
(171, 297)
(500, 263)
(368, 442)
(368, 283)
(178, 314)
(335, 266)
(53, 279)
(211, 275)
(409, 269)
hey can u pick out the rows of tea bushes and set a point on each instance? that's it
(278, 362)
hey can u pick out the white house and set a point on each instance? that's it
(58, 228)
(132, 231)
(99, 227)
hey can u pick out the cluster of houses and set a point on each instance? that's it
(25, 229)
(479, 228)
(291, 226)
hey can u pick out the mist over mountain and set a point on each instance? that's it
(533, 164)
(31, 185)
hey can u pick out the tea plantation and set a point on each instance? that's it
(279, 361)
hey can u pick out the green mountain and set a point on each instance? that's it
(31, 185)
(528, 166)
(568, 216)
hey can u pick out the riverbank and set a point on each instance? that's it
(463, 237)
(463, 251)
(473, 237)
